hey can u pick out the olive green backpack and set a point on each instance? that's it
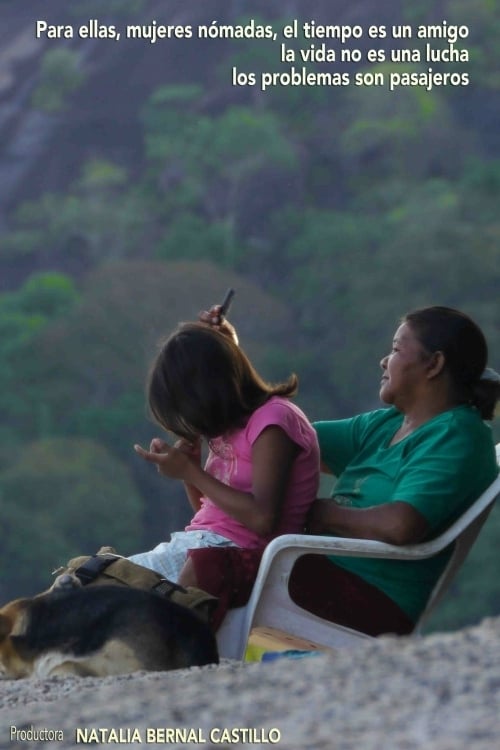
(107, 567)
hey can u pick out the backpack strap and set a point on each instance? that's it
(93, 567)
(107, 567)
(167, 588)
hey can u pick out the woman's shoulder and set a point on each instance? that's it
(462, 419)
(460, 437)
(372, 418)
(349, 435)
(370, 421)
(459, 431)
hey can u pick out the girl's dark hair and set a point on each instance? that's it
(202, 383)
(465, 350)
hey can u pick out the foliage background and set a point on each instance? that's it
(136, 185)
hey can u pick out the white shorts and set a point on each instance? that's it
(168, 558)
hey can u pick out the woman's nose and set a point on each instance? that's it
(383, 362)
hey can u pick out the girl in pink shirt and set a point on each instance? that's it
(262, 471)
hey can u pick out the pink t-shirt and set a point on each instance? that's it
(230, 461)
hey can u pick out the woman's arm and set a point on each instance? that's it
(273, 454)
(395, 522)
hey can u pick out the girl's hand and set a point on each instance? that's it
(190, 448)
(157, 445)
(170, 461)
(214, 319)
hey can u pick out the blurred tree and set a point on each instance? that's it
(49, 294)
(210, 165)
(480, 189)
(340, 262)
(332, 256)
(482, 17)
(23, 316)
(100, 351)
(474, 593)
(99, 218)
(192, 237)
(84, 374)
(60, 498)
(60, 75)
(393, 135)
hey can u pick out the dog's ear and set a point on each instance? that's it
(11, 614)
(5, 626)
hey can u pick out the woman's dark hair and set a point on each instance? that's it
(202, 383)
(459, 338)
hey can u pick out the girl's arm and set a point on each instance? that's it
(273, 454)
(194, 496)
(159, 447)
(193, 450)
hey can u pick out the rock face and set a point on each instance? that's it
(43, 152)
(441, 692)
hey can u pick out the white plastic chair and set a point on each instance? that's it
(270, 604)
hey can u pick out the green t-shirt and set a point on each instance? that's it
(440, 469)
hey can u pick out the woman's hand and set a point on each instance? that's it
(214, 319)
(318, 516)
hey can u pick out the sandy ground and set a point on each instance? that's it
(441, 692)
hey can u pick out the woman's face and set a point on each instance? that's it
(404, 369)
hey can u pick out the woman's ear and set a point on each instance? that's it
(436, 364)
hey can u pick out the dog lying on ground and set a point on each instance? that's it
(99, 631)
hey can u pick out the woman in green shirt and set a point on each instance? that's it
(404, 473)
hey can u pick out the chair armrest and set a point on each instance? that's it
(288, 547)
(349, 547)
